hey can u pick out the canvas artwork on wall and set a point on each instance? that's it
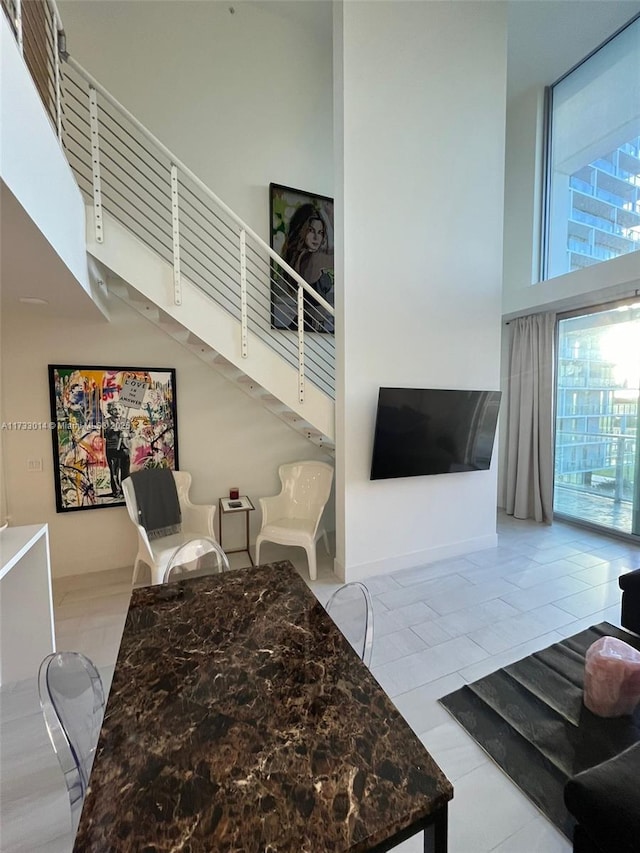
(108, 422)
(302, 234)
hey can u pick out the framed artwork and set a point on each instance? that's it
(301, 232)
(108, 422)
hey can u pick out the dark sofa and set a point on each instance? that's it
(630, 586)
(605, 800)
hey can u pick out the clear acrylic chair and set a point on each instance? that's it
(198, 557)
(72, 702)
(351, 609)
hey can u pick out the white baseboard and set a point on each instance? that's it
(415, 558)
(338, 570)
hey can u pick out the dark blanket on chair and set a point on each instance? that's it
(157, 499)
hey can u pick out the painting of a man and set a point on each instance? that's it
(117, 444)
(109, 422)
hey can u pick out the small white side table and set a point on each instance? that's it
(227, 506)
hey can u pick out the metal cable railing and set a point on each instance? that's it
(123, 169)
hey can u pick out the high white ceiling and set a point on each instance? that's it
(545, 37)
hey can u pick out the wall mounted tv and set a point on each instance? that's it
(433, 431)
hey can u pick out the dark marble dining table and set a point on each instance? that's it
(240, 720)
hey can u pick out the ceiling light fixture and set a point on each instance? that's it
(33, 300)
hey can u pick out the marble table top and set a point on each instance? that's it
(240, 719)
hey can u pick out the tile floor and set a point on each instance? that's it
(436, 627)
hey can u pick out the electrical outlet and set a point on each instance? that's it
(34, 465)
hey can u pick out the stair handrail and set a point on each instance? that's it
(15, 14)
(314, 357)
(200, 184)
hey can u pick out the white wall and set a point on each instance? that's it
(423, 131)
(225, 437)
(32, 164)
(243, 100)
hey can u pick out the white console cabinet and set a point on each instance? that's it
(27, 631)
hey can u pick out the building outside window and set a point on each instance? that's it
(593, 177)
(597, 454)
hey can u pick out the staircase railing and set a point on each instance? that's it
(38, 31)
(125, 170)
(122, 168)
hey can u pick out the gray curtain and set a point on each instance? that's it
(530, 418)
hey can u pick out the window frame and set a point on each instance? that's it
(547, 135)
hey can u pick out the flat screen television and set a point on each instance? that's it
(433, 431)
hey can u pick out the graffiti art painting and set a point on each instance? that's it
(108, 422)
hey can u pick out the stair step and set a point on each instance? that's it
(151, 312)
(294, 418)
(194, 341)
(168, 324)
(250, 386)
(181, 335)
(204, 352)
(172, 327)
(120, 289)
(133, 297)
(273, 404)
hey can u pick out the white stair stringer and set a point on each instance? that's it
(208, 331)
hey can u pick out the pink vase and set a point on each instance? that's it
(611, 678)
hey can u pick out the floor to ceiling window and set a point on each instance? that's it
(597, 453)
(593, 170)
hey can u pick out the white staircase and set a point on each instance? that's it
(179, 256)
(136, 275)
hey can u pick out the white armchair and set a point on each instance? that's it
(293, 516)
(197, 521)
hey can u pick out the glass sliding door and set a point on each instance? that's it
(597, 458)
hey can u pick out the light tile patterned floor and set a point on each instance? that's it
(436, 627)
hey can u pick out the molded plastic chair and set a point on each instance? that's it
(351, 609)
(293, 516)
(197, 521)
(196, 558)
(72, 702)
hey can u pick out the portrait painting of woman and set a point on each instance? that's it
(302, 234)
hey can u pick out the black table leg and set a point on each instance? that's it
(435, 837)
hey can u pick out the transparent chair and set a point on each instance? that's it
(72, 702)
(351, 609)
(198, 557)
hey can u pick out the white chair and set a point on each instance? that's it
(351, 609)
(293, 516)
(197, 521)
(196, 558)
(72, 702)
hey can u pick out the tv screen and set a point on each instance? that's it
(432, 431)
